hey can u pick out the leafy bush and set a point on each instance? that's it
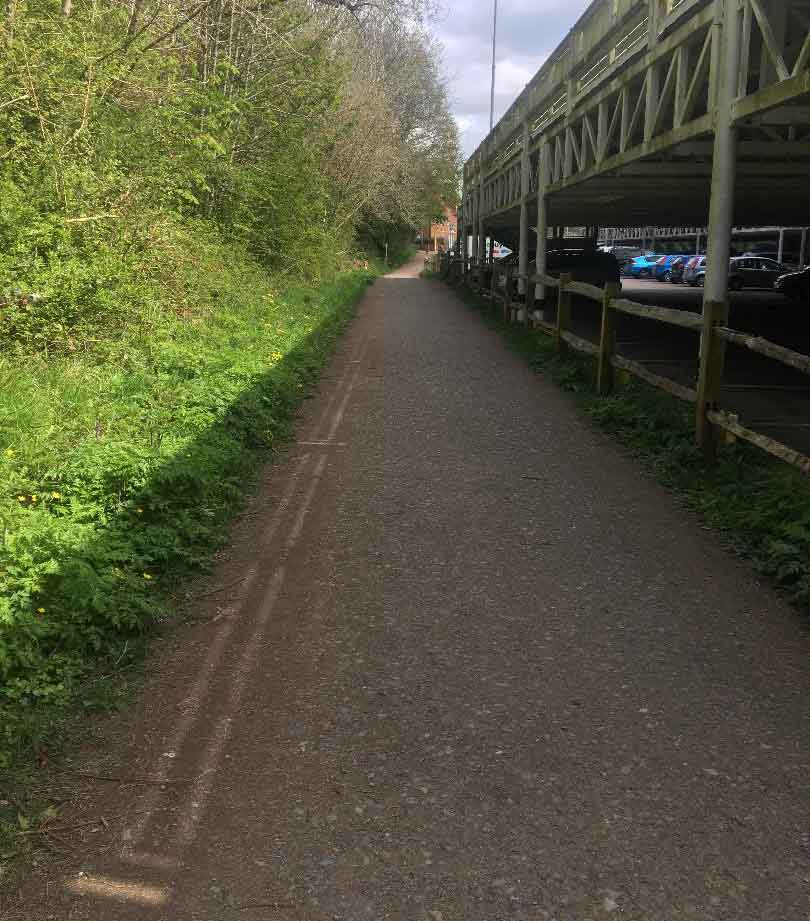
(120, 463)
(167, 179)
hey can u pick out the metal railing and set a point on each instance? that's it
(553, 111)
(628, 43)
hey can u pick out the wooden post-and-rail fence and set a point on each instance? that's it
(712, 325)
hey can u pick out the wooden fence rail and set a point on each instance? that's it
(765, 347)
(661, 314)
(729, 423)
(715, 334)
(583, 289)
(550, 281)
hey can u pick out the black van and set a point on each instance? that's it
(594, 267)
(591, 266)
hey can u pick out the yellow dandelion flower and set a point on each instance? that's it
(40, 610)
(9, 452)
(56, 494)
(147, 576)
(34, 497)
(21, 498)
(276, 356)
(139, 510)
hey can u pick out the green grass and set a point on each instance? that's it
(759, 505)
(122, 459)
(120, 464)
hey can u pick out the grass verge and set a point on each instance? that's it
(120, 468)
(760, 506)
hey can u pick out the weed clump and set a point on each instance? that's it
(121, 459)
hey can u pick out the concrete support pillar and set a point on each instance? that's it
(481, 233)
(724, 161)
(653, 10)
(542, 220)
(780, 246)
(803, 249)
(654, 74)
(523, 246)
(474, 210)
(721, 216)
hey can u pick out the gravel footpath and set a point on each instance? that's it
(462, 662)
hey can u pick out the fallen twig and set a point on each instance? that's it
(109, 778)
(222, 588)
(49, 829)
(251, 905)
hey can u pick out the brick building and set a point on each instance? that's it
(441, 236)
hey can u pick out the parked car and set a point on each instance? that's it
(788, 259)
(677, 269)
(795, 285)
(695, 267)
(642, 266)
(663, 265)
(624, 254)
(743, 272)
(753, 272)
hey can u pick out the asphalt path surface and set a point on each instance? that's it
(462, 661)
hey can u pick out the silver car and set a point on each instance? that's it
(694, 271)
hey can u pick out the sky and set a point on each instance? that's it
(528, 31)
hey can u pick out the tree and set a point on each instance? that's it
(290, 126)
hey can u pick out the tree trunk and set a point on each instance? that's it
(11, 15)
(137, 6)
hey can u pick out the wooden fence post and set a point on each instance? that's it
(507, 295)
(607, 341)
(710, 374)
(529, 303)
(563, 311)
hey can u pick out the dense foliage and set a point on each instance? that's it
(288, 126)
(184, 189)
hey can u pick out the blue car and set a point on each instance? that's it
(663, 266)
(642, 266)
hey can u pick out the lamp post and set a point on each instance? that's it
(492, 84)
